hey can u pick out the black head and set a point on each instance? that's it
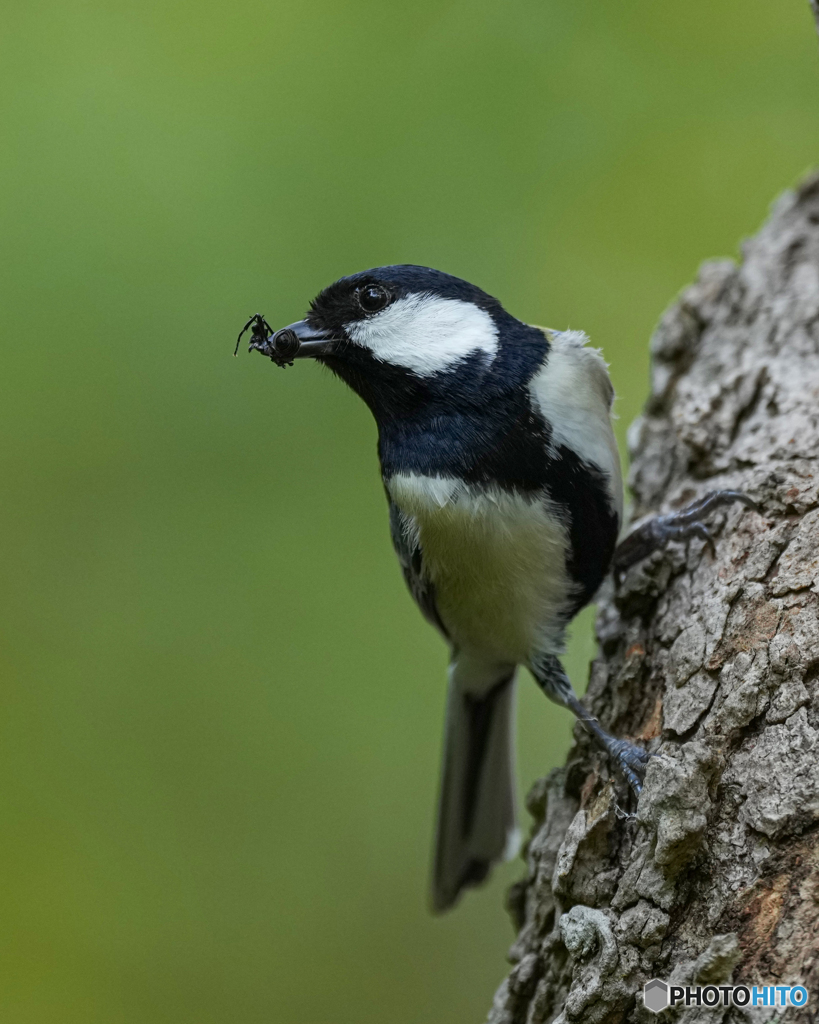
(359, 298)
(403, 335)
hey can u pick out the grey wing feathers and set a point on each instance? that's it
(410, 558)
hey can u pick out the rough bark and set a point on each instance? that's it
(713, 662)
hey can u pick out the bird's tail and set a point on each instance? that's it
(476, 809)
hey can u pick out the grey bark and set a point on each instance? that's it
(713, 662)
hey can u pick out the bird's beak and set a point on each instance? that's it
(296, 341)
(312, 342)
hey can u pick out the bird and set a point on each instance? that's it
(504, 490)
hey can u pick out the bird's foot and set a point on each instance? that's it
(681, 525)
(630, 759)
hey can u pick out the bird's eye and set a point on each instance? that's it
(372, 297)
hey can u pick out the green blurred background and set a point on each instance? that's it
(220, 714)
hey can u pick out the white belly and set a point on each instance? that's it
(496, 561)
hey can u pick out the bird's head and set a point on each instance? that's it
(400, 335)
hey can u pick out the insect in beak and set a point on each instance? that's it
(260, 333)
(298, 341)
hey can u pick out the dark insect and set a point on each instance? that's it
(260, 333)
(285, 343)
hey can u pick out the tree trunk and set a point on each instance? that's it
(713, 662)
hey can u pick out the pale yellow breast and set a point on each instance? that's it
(496, 560)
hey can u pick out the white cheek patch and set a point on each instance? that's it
(426, 333)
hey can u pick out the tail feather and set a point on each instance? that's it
(476, 810)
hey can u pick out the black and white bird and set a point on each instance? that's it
(503, 481)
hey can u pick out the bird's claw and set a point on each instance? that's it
(681, 525)
(631, 760)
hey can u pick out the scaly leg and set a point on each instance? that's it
(630, 759)
(681, 525)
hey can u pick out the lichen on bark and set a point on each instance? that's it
(713, 663)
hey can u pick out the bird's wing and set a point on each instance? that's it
(411, 558)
